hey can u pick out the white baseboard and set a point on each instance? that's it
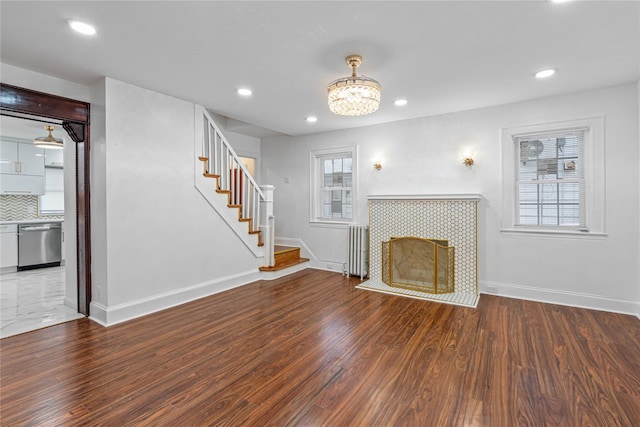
(572, 299)
(108, 316)
(334, 267)
(272, 275)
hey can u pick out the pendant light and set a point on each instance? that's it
(354, 95)
(48, 141)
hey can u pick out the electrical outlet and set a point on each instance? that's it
(31, 210)
(491, 289)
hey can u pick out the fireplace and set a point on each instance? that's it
(419, 264)
(450, 221)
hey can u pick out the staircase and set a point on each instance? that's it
(230, 189)
(285, 257)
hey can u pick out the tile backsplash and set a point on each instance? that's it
(19, 207)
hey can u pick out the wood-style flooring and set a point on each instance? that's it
(310, 350)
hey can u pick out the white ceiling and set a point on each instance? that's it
(443, 56)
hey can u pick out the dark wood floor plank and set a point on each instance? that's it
(311, 350)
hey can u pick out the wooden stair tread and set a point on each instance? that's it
(280, 266)
(283, 249)
(284, 256)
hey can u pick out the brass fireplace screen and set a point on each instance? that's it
(425, 265)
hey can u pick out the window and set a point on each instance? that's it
(550, 179)
(333, 175)
(554, 177)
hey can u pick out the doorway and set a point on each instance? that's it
(73, 117)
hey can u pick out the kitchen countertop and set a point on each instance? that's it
(32, 221)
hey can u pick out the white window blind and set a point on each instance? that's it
(550, 179)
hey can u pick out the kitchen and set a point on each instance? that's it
(33, 247)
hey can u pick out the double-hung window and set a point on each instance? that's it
(333, 175)
(550, 181)
(553, 177)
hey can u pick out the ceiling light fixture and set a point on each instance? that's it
(82, 28)
(48, 141)
(353, 95)
(545, 73)
(311, 119)
(244, 91)
(400, 102)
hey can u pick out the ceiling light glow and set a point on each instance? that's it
(400, 102)
(311, 119)
(545, 73)
(244, 91)
(82, 28)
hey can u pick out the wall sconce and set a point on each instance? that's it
(467, 158)
(377, 165)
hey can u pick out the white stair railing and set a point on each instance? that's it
(233, 178)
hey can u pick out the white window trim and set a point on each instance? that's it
(314, 195)
(594, 175)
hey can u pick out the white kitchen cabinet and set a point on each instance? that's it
(53, 158)
(22, 170)
(8, 157)
(8, 245)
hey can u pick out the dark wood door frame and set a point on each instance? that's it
(17, 102)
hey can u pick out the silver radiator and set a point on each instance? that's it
(358, 256)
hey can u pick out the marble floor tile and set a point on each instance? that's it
(33, 299)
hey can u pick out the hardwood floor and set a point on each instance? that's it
(310, 350)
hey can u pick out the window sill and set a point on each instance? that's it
(330, 224)
(554, 234)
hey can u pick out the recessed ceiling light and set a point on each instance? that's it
(311, 119)
(545, 73)
(559, 1)
(82, 28)
(400, 102)
(244, 91)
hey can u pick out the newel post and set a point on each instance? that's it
(267, 224)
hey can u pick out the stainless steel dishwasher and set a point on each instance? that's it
(39, 245)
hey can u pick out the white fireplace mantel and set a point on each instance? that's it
(424, 197)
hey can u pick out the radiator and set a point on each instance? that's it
(358, 255)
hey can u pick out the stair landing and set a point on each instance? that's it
(285, 256)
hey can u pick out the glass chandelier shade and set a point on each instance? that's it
(353, 95)
(48, 141)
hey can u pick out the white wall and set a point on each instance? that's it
(43, 83)
(98, 171)
(423, 156)
(163, 244)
